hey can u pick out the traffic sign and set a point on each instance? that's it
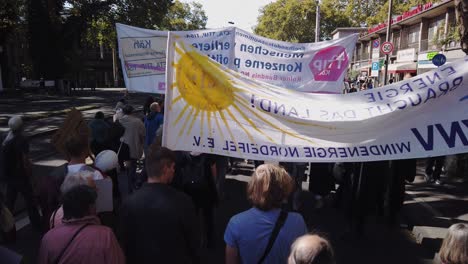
(375, 66)
(386, 48)
(439, 60)
(376, 43)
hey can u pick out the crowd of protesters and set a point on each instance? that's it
(167, 215)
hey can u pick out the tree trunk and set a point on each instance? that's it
(461, 13)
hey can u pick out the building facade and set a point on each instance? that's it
(417, 35)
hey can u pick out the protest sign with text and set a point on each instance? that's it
(307, 67)
(213, 109)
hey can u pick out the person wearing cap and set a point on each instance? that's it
(107, 161)
(17, 168)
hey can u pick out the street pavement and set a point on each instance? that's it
(428, 211)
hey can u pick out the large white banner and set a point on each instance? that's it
(307, 67)
(213, 109)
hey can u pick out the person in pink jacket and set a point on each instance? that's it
(81, 239)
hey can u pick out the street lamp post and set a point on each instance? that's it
(387, 39)
(317, 21)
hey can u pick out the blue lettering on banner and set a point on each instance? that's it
(260, 50)
(213, 45)
(142, 44)
(314, 152)
(449, 135)
(274, 66)
(414, 93)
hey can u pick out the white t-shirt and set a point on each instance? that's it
(77, 167)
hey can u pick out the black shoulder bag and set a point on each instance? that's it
(278, 225)
(57, 261)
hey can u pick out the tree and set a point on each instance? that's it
(359, 10)
(142, 13)
(461, 13)
(398, 8)
(10, 14)
(288, 20)
(294, 20)
(332, 16)
(56, 28)
(184, 16)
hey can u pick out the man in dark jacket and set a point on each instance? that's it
(15, 148)
(158, 222)
(100, 132)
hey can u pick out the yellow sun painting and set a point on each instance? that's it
(209, 92)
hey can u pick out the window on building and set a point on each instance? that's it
(436, 28)
(396, 39)
(413, 34)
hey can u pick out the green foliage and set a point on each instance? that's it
(359, 11)
(333, 16)
(142, 13)
(11, 14)
(399, 7)
(288, 20)
(452, 35)
(184, 16)
(101, 31)
(294, 20)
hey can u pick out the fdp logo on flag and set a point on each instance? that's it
(329, 64)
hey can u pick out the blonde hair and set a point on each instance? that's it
(269, 186)
(310, 249)
(454, 249)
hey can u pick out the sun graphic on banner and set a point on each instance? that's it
(210, 93)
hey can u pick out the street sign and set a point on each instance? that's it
(376, 43)
(386, 48)
(381, 63)
(375, 69)
(431, 55)
(375, 66)
(439, 59)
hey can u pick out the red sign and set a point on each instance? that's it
(386, 48)
(401, 17)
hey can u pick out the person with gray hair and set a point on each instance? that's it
(71, 180)
(17, 169)
(311, 249)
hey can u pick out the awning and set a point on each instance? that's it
(426, 64)
(402, 67)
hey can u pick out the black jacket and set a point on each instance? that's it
(158, 225)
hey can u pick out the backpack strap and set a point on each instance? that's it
(278, 225)
(53, 218)
(57, 261)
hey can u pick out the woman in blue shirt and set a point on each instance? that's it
(248, 233)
